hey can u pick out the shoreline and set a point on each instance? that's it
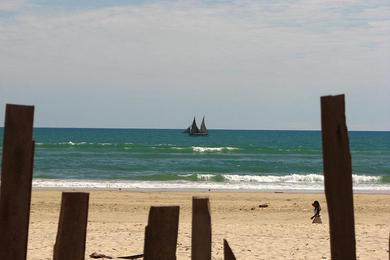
(195, 190)
(195, 186)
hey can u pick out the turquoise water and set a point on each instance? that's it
(226, 159)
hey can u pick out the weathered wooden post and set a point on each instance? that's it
(201, 229)
(227, 251)
(338, 177)
(16, 181)
(161, 233)
(72, 226)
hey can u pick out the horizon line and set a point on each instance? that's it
(218, 129)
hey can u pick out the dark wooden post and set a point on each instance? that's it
(201, 229)
(16, 180)
(72, 226)
(161, 233)
(338, 177)
(227, 251)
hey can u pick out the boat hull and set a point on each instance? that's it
(198, 134)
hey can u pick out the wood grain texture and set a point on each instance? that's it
(161, 233)
(201, 229)
(338, 177)
(72, 226)
(16, 181)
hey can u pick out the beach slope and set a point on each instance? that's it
(283, 230)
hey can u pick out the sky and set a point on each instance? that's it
(157, 64)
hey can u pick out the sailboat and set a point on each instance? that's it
(194, 130)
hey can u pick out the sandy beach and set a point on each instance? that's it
(281, 231)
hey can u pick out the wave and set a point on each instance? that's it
(132, 145)
(169, 148)
(196, 185)
(201, 149)
(312, 178)
(292, 178)
(71, 143)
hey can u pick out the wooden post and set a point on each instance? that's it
(338, 177)
(161, 233)
(227, 251)
(72, 226)
(201, 229)
(16, 180)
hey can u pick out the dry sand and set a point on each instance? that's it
(282, 231)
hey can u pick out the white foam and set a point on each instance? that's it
(178, 148)
(72, 143)
(297, 178)
(205, 177)
(186, 185)
(232, 148)
(212, 149)
(293, 178)
(77, 143)
(206, 149)
(365, 179)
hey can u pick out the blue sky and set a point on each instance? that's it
(243, 64)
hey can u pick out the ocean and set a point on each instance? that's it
(243, 160)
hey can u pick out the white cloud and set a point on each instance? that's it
(250, 54)
(11, 5)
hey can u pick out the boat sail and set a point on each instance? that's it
(203, 128)
(194, 130)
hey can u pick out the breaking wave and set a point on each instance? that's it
(200, 149)
(310, 182)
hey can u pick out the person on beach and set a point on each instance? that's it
(316, 217)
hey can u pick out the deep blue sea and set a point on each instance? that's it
(226, 159)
